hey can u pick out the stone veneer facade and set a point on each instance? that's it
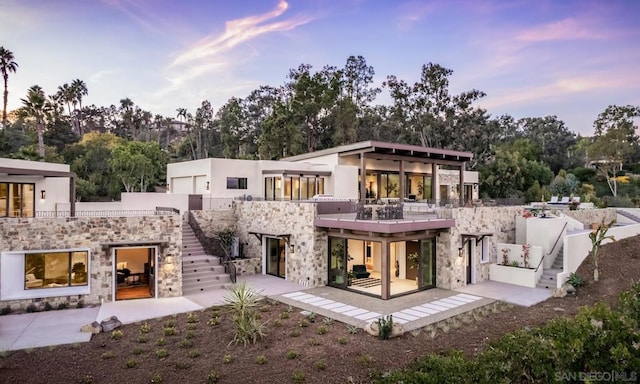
(308, 263)
(32, 234)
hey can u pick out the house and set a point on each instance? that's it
(50, 252)
(399, 215)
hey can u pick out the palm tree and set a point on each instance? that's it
(79, 89)
(7, 64)
(36, 105)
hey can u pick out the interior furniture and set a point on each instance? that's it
(360, 271)
(122, 275)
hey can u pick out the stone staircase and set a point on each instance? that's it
(549, 276)
(200, 272)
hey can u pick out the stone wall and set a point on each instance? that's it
(499, 221)
(32, 234)
(251, 266)
(593, 216)
(308, 262)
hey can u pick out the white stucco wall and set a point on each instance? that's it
(577, 247)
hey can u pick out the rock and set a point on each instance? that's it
(110, 324)
(570, 289)
(94, 327)
(559, 292)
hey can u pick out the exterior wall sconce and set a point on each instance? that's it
(43, 194)
(291, 248)
(207, 187)
(460, 252)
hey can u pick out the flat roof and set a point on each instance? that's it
(384, 226)
(388, 149)
(34, 172)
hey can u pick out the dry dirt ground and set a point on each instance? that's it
(322, 352)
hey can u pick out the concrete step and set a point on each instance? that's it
(200, 261)
(202, 271)
(206, 287)
(192, 281)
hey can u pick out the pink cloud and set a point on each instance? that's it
(567, 29)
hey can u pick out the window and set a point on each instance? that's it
(236, 183)
(484, 256)
(55, 269)
(17, 200)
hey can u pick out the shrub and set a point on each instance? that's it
(575, 280)
(212, 378)
(47, 306)
(327, 321)
(295, 333)
(314, 341)
(156, 378)
(162, 353)
(352, 329)
(192, 317)
(303, 323)
(298, 376)
(108, 355)
(131, 363)
(291, 354)
(213, 321)
(311, 316)
(385, 327)
(190, 335)
(186, 343)
(261, 359)
(145, 328)
(31, 308)
(142, 339)
(161, 341)
(630, 302)
(227, 359)
(117, 335)
(435, 369)
(342, 340)
(137, 351)
(5, 310)
(242, 303)
(171, 323)
(194, 353)
(321, 330)
(169, 331)
(321, 365)
(284, 315)
(62, 305)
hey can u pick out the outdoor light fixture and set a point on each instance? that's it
(207, 186)
(460, 252)
(43, 194)
(291, 248)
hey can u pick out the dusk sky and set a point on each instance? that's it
(533, 58)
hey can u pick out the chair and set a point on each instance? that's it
(565, 200)
(122, 275)
(554, 200)
(360, 271)
(31, 281)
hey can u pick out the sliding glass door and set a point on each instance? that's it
(276, 257)
(337, 262)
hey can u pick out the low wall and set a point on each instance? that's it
(517, 276)
(592, 216)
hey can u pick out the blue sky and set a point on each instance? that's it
(532, 58)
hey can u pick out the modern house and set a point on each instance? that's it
(376, 218)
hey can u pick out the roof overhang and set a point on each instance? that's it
(35, 172)
(133, 243)
(477, 236)
(384, 227)
(259, 233)
(290, 172)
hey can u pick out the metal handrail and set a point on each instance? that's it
(554, 246)
(230, 268)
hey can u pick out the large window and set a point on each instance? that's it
(236, 183)
(17, 200)
(295, 188)
(55, 269)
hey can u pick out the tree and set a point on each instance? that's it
(427, 108)
(7, 65)
(79, 88)
(139, 166)
(615, 140)
(35, 106)
(597, 236)
(551, 139)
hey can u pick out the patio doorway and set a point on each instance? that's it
(276, 257)
(134, 276)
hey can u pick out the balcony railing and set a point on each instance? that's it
(109, 213)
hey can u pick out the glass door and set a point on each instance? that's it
(427, 267)
(337, 262)
(276, 257)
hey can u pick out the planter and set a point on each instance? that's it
(525, 277)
